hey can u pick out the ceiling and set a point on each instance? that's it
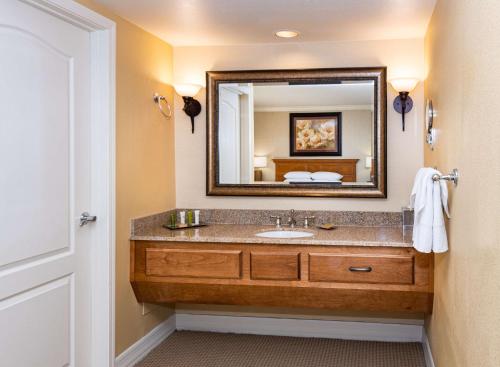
(329, 97)
(239, 22)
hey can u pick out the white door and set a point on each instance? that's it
(246, 133)
(45, 278)
(229, 136)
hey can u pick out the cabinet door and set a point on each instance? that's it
(388, 269)
(274, 265)
(193, 263)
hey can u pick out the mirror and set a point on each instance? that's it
(297, 133)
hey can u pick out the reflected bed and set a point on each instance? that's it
(346, 167)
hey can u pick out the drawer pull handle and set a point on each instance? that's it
(364, 269)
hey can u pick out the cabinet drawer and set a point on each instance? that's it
(274, 265)
(389, 269)
(193, 263)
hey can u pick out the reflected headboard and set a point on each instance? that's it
(346, 167)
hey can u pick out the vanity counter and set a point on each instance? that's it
(381, 236)
(355, 267)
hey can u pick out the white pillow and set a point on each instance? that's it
(297, 174)
(326, 176)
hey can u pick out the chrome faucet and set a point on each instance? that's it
(277, 218)
(308, 219)
(291, 219)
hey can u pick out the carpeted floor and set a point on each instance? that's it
(200, 349)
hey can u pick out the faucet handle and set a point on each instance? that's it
(278, 220)
(308, 219)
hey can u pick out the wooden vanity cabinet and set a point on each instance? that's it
(333, 277)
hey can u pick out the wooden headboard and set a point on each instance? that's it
(346, 167)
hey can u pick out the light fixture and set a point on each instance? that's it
(192, 107)
(369, 165)
(258, 163)
(286, 33)
(368, 162)
(403, 103)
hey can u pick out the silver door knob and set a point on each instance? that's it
(86, 217)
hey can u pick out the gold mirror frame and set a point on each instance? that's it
(377, 74)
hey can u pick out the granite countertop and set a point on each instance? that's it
(387, 236)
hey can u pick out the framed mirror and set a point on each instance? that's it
(313, 132)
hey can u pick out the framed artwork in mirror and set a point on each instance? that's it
(316, 134)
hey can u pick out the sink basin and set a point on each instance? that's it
(284, 234)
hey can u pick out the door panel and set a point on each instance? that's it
(35, 154)
(20, 313)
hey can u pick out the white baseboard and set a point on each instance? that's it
(300, 327)
(429, 361)
(142, 347)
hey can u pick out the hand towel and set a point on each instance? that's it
(428, 199)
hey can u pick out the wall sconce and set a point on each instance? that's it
(259, 162)
(403, 103)
(368, 162)
(192, 107)
(369, 165)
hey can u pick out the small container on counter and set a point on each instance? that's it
(173, 219)
(189, 218)
(197, 217)
(183, 217)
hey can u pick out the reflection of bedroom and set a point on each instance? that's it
(272, 132)
(333, 130)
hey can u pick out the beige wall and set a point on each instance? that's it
(272, 139)
(463, 53)
(403, 58)
(145, 159)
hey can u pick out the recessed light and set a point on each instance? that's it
(286, 33)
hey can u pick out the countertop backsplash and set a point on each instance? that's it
(262, 217)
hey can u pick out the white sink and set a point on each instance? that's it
(284, 234)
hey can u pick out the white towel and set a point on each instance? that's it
(428, 198)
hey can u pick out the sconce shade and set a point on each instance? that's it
(187, 90)
(260, 162)
(404, 84)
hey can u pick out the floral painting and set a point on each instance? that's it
(315, 134)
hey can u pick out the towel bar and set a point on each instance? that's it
(453, 176)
